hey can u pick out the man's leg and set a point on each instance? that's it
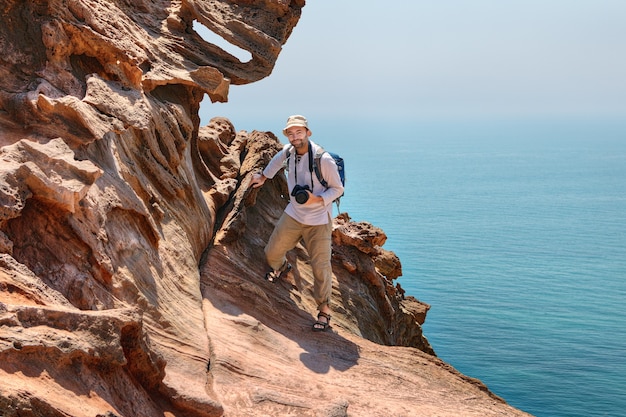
(319, 245)
(285, 237)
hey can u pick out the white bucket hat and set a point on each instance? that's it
(296, 120)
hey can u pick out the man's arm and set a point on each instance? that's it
(331, 175)
(270, 170)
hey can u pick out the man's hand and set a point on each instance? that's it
(313, 199)
(258, 180)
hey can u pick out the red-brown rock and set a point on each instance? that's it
(131, 245)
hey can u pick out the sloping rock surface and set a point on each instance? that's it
(131, 245)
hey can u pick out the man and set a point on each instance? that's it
(308, 215)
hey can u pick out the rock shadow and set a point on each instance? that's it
(272, 305)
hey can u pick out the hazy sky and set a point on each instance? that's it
(442, 60)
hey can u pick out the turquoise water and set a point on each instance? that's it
(516, 235)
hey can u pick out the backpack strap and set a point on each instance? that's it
(287, 151)
(316, 166)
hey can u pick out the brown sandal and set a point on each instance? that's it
(321, 326)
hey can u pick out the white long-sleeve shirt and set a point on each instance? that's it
(298, 166)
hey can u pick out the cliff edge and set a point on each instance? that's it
(131, 245)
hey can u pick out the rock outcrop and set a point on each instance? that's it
(131, 245)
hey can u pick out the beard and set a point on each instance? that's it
(301, 145)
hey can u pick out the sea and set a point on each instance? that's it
(515, 233)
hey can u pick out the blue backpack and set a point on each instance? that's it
(316, 168)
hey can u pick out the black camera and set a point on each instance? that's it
(300, 193)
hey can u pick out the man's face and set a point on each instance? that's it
(297, 136)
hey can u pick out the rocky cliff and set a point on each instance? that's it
(131, 245)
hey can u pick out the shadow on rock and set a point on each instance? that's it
(257, 305)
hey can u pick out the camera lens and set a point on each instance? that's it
(301, 196)
(300, 193)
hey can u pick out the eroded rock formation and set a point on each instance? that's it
(131, 247)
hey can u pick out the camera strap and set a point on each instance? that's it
(295, 170)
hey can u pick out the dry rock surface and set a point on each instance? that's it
(131, 245)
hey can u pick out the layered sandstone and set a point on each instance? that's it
(131, 245)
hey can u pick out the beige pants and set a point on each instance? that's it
(317, 240)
